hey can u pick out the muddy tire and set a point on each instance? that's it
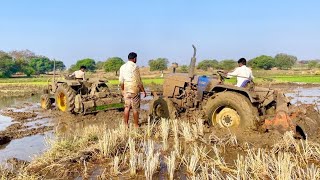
(64, 98)
(231, 110)
(45, 102)
(162, 108)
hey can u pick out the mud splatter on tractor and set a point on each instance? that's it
(220, 104)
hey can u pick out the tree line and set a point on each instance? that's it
(112, 64)
(26, 62)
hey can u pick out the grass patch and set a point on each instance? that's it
(282, 79)
(302, 79)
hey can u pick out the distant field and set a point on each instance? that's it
(259, 79)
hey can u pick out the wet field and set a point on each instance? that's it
(31, 127)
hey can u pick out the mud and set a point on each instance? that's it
(29, 125)
(19, 116)
(19, 90)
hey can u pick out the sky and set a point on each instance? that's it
(70, 30)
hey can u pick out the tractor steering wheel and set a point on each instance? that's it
(221, 74)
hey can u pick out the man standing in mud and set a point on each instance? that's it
(131, 86)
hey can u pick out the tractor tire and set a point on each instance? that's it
(162, 108)
(231, 110)
(64, 98)
(45, 102)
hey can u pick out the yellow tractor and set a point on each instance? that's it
(78, 96)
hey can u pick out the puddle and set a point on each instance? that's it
(305, 96)
(25, 148)
(39, 123)
(17, 102)
(4, 122)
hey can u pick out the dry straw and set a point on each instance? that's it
(165, 127)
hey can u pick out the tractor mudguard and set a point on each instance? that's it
(73, 82)
(250, 95)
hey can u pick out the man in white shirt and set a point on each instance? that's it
(243, 73)
(131, 86)
(80, 74)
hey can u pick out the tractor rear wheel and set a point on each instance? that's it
(162, 108)
(45, 102)
(64, 98)
(231, 110)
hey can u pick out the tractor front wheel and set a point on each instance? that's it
(45, 102)
(162, 108)
(231, 110)
(64, 98)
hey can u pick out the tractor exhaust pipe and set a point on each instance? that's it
(192, 63)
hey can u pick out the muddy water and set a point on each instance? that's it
(24, 148)
(4, 122)
(305, 96)
(18, 103)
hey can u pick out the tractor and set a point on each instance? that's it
(220, 104)
(79, 96)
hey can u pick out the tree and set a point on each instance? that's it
(262, 62)
(158, 64)
(312, 64)
(27, 70)
(60, 65)
(100, 65)
(113, 64)
(7, 65)
(41, 65)
(227, 64)
(285, 61)
(89, 63)
(184, 68)
(205, 64)
(22, 54)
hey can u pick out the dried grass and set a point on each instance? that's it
(133, 150)
(171, 164)
(133, 158)
(186, 132)
(165, 127)
(175, 129)
(115, 166)
(152, 160)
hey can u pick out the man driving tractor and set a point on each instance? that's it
(243, 73)
(80, 74)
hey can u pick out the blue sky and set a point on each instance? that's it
(75, 29)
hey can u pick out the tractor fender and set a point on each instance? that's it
(243, 91)
(73, 83)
